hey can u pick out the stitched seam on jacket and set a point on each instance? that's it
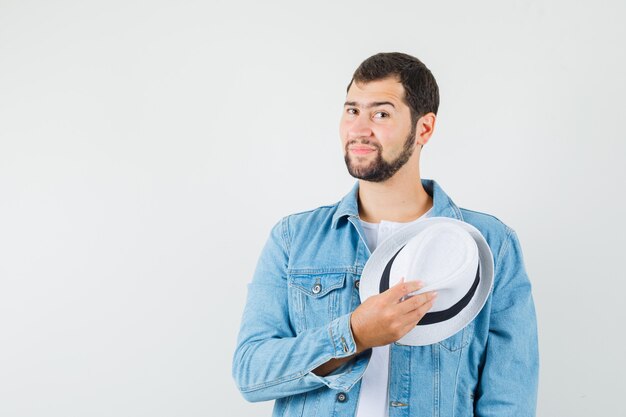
(505, 246)
(273, 382)
(503, 250)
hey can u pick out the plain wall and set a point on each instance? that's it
(147, 147)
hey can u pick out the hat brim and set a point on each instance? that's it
(430, 333)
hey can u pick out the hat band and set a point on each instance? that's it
(435, 316)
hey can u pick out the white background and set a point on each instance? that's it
(147, 147)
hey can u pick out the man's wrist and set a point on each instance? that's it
(360, 346)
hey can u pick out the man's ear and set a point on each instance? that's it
(424, 128)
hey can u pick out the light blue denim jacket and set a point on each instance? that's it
(297, 317)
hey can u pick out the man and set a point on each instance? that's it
(305, 339)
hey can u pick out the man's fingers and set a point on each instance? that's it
(403, 288)
(423, 309)
(416, 302)
(413, 317)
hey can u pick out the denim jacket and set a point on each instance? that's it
(297, 317)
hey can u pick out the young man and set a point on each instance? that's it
(308, 342)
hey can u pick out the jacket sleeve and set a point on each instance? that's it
(270, 360)
(509, 378)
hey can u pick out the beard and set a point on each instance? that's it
(380, 170)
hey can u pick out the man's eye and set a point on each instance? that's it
(351, 111)
(381, 115)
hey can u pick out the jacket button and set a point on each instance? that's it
(317, 288)
(342, 397)
(357, 283)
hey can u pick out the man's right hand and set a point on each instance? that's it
(384, 318)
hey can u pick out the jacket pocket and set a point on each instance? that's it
(460, 339)
(315, 298)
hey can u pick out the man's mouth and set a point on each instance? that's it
(361, 150)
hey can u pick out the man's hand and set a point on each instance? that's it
(387, 317)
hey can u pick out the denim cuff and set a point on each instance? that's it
(343, 345)
(341, 337)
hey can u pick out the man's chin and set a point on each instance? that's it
(360, 169)
(361, 174)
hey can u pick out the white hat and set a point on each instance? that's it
(449, 256)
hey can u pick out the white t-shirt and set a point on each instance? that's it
(373, 398)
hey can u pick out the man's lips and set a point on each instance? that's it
(361, 150)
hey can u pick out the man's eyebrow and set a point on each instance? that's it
(370, 105)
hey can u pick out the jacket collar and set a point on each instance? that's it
(443, 206)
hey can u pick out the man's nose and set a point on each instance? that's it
(360, 127)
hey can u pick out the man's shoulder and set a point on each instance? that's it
(482, 220)
(494, 230)
(316, 217)
(306, 229)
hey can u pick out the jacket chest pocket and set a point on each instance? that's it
(315, 299)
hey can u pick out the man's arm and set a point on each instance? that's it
(271, 361)
(330, 366)
(509, 378)
(384, 318)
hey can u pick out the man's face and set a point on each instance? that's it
(376, 130)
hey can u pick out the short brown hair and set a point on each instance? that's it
(421, 90)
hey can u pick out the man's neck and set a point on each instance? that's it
(397, 200)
